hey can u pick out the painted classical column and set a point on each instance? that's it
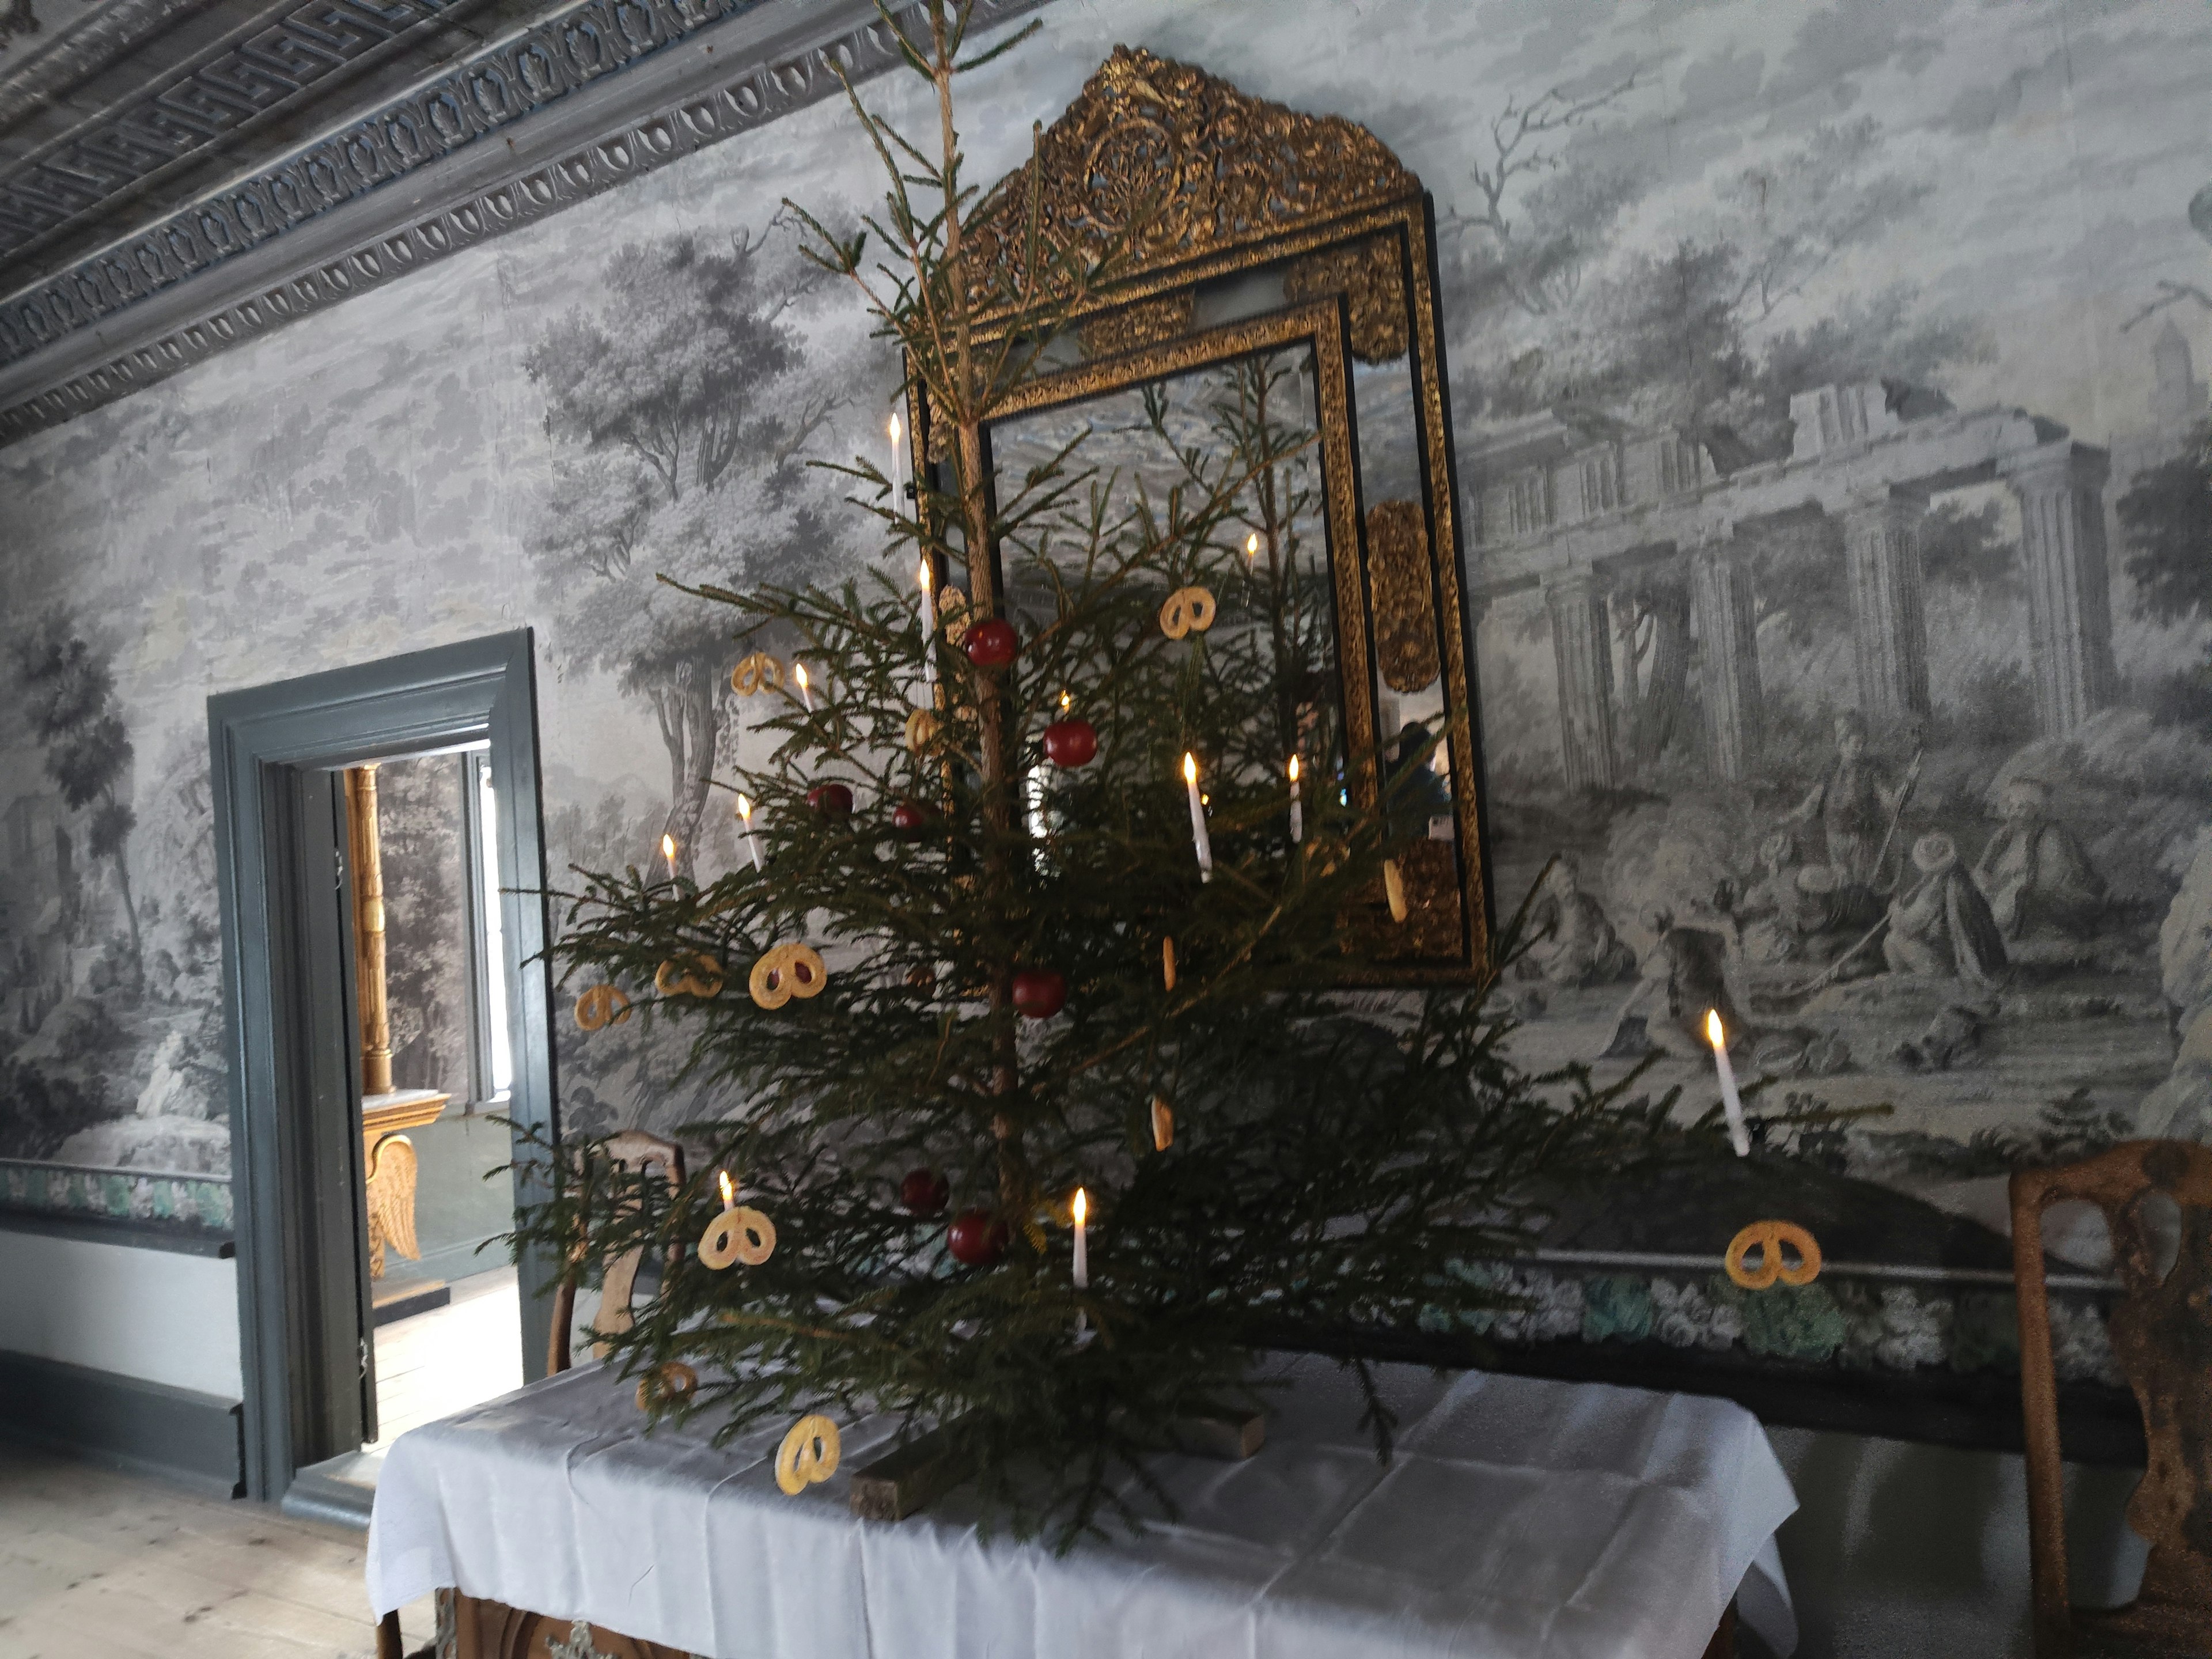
(368, 931)
(1881, 551)
(1581, 650)
(2070, 603)
(1727, 657)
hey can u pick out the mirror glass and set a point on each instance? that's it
(1243, 433)
(1409, 685)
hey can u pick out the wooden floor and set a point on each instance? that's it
(438, 1363)
(95, 1564)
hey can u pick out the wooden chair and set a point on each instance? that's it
(2162, 1334)
(486, 1628)
(636, 1152)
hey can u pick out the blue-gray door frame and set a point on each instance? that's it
(291, 1250)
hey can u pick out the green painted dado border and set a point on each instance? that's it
(155, 1209)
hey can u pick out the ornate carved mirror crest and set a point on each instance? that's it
(1278, 266)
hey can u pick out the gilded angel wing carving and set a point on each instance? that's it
(392, 1202)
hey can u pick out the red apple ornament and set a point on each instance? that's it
(991, 643)
(1070, 743)
(976, 1238)
(831, 800)
(925, 1193)
(1039, 993)
(910, 820)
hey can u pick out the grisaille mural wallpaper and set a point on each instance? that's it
(1833, 440)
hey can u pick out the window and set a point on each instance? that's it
(492, 1059)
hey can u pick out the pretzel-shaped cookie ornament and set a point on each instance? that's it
(1768, 1238)
(808, 1456)
(666, 1385)
(688, 976)
(601, 1006)
(740, 1233)
(1188, 610)
(758, 672)
(921, 729)
(785, 972)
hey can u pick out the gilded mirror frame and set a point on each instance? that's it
(1312, 227)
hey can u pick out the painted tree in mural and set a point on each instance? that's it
(68, 699)
(1041, 1114)
(2165, 517)
(683, 420)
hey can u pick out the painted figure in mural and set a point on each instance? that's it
(1691, 965)
(2037, 874)
(1806, 913)
(1574, 942)
(1941, 926)
(1854, 805)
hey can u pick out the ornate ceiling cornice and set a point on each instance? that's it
(409, 185)
(85, 47)
(259, 70)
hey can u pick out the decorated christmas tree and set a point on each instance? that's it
(1050, 1005)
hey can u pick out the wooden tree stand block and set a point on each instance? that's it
(909, 1479)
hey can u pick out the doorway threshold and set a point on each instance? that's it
(340, 1491)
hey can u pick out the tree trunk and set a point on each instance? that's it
(130, 915)
(691, 726)
(971, 398)
(1659, 712)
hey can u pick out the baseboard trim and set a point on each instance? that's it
(175, 1434)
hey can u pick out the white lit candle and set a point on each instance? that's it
(898, 464)
(1252, 546)
(1297, 813)
(806, 695)
(1082, 1241)
(668, 851)
(1739, 1132)
(929, 580)
(1197, 836)
(746, 812)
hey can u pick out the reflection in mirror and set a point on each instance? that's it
(1227, 456)
(1409, 687)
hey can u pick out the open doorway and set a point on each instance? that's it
(309, 1131)
(430, 972)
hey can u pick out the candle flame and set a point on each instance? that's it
(745, 808)
(894, 429)
(729, 1190)
(1714, 1035)
(800, 671)
(1252, 545)
(1190, 767)
(1294, 768)
(1067, 702)
(927, 575)
(1082, 1205)
(668, 847)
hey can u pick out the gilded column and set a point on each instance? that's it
(368, 931)
(1581, 650)
(1727, 657)
(2061, 490)
(1889, 628)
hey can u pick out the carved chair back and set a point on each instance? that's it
(2161, 1335)
(639, 1153)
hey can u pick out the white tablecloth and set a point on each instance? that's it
(1519, 1518)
